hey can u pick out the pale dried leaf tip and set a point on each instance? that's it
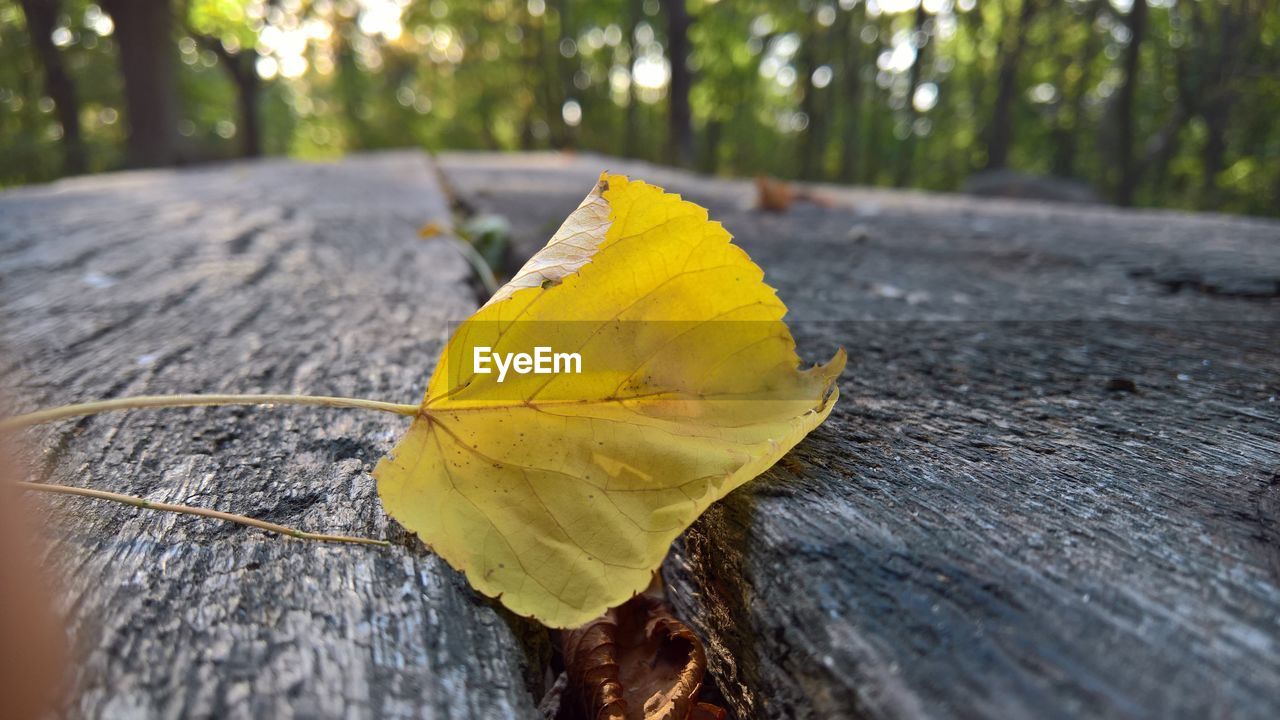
(572, 246)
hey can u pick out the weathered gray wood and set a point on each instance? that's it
(991, 524)
(264, 277)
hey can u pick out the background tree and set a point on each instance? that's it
(853, 25)
(1149, 102)
(999, 135)
(221, 29)
(42, 17)
(1137, 29)
(144, 31)
(920, 44)
(679, 115)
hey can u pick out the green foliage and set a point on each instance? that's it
(844, 90)
(29, 133)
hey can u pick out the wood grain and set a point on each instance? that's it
(265, 277)
(1050, 487)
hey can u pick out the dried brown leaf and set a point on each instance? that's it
(707, 711)
(636, 662)
(777, 195)
(773, 195)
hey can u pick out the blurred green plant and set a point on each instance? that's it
(1151, 102)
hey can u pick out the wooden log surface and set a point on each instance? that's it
(265, 277)
(1051, 487)
(991, 523)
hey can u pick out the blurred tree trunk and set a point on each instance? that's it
(631, 125)
(851, 71)
(1216, 117)
(528, 97)
(348, 86)
(1161, 149)
(875, 111)
(812, 137)
(1239, 35)
(242, 70)
(1066, 136)
(999, 135)
(1129, 174)
(144, 34)
(42, 17)
(710, 146)
(561, 77)
(906, 149)
(249, 95)
(977, 73)
(680, 117)
(549, 83)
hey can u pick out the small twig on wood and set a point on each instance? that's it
(170, 401)
(202, 512)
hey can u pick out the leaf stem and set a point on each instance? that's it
(202, 512)
(171, 401)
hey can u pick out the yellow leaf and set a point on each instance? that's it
(561, 493)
